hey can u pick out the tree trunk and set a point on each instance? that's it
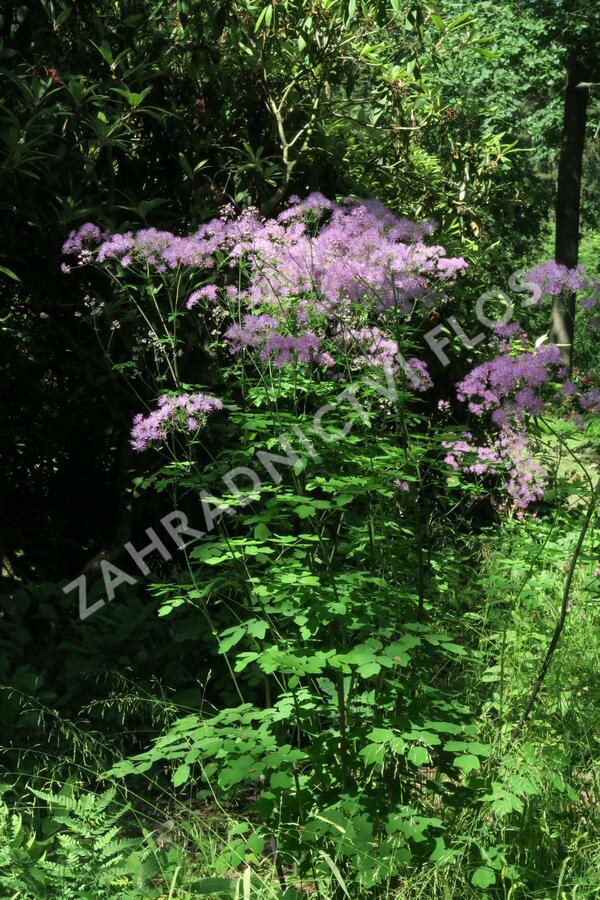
(568, 196)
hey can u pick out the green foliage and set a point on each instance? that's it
(79, 850)
(317, 698)
(360, 742)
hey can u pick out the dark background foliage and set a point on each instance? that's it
(129, 113)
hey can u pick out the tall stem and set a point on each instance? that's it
(562, 617)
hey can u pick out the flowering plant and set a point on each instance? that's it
(340, 289)
(321, 587)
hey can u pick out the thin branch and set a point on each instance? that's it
(286, 145)
(562, 618)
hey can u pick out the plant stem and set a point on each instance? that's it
(562, 618)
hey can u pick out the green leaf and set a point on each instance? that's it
(244, 660)
(483, 877)
(373, 754)
(454, 648)
(456, 746)
(281, 780)
(418, 756)
(185, 165)
(9, 273)
(479, 749)
(261, 532)
(503, 801)
(336, 872)
(232, 636)
(381, 735)
(181, 775)
(63, 17)
(369, 669)
(467, 762)
(257, 628)
(265, 15)
(207, 886)
(106, 54)
(132, 98)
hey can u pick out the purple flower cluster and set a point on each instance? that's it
(368, 347)
(553, 278)
(526, 476)
(361, 254)
(320, 277)
(208, 292)
(510, 386)
(261, 331)
(510, 453)
(590, 402)
(418, 375)
(317, 264)
(363, 259)
(160, 250)
(507, 337)
(185, 412)
(81, 237)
